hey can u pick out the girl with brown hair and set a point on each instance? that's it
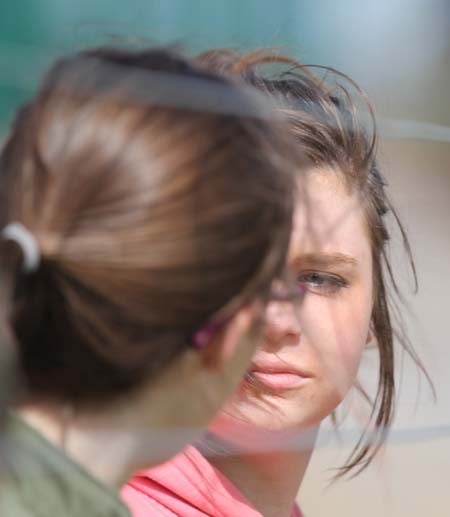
(259, 446)
(146, 207)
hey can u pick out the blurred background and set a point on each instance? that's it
(399, 52)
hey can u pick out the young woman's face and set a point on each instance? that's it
(311, 351)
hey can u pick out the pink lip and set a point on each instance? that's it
(278, 376)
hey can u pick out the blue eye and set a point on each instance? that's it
(321, 283)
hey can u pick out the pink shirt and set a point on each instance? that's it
(187, 486)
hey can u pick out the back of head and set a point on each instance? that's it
(151, 213)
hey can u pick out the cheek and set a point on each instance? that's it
(337, 333)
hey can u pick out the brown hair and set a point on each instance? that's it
(151, 214)
(325, 119)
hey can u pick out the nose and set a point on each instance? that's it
(282, 325)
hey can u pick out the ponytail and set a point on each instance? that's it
(18, 256)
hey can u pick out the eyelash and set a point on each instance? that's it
(321, 283)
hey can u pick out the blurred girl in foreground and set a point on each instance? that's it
(146, 207)
(259, 447)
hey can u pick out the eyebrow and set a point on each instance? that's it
(326, 259)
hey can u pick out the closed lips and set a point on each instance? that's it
(278, 377)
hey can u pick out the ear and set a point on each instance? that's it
(370, 340)
(225, 344)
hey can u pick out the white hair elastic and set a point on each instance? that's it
(25, 239)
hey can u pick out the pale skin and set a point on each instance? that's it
(162, 416)
(310, 353)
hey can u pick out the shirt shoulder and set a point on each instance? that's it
(38, 480)
(142, 504)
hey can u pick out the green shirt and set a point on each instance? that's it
(38, 480)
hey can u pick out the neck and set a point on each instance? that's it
(269, 480)
(106, 448)
(142, 430)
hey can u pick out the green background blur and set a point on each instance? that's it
(386, 45)
(33, 32)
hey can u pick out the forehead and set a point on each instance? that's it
(329, 217)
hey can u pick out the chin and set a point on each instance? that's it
(264, 435)
(274, 414)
